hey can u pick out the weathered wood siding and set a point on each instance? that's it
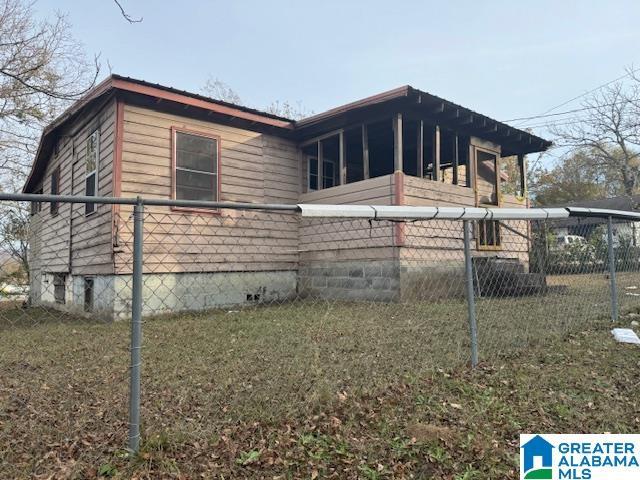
(422, 192)
(441, 240)
(349, 239)
(69, 242)
(91, 242)
(254, 167)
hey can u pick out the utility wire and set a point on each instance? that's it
(575, 110)
(545, 113)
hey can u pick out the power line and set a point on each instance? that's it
(559, 123)
(575, 110)
(585, 93)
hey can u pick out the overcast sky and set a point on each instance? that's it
(505, 59)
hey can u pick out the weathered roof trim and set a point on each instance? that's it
(140, 87)
(199, 101)
(253, 116)
(440, 108)
(365, 102)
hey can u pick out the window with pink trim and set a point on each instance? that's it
(196, 165)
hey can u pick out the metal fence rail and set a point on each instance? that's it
(397, 289)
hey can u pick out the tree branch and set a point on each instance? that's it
(126, 16)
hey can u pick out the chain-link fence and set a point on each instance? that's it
(228, 314)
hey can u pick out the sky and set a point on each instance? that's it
(503, 58)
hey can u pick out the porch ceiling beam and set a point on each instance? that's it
(454, 115)
(491, 129)
(468, 120)
(507, 132)
(439, 108)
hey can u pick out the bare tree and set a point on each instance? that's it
(288, 110)
(14, 238)
(42, 70)
(216, 88)
(610, 131)
(126, 16)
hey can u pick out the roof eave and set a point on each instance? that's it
(122, 84)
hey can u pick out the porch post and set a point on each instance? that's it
(456, 158)
(365, 152)
(436, 153)
(523, 174)
(421, 149)
(342, 165)
(397, 143)
(320, 165)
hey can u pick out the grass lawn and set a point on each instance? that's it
(317, 390)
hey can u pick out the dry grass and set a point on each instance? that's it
(334, 389)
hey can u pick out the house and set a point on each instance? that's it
(129, 137)
(537, 454)
(623, 231)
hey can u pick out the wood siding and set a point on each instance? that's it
(435, 241)
(69, 242)
(349, 239)
(254, 167)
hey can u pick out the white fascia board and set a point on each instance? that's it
(337, 211)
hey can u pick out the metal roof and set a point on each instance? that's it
(443, 111)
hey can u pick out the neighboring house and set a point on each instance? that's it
(623, 231)
(129, 137)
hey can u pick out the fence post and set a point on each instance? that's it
(612, 270)
(136, 328)
(471, 301)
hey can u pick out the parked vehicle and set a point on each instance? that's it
(563, 241)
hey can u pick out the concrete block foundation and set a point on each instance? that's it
(163, 293)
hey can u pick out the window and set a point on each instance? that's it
(329, 150)
(511, 176)
(59, 287)
(311, 154)
(487, 177)
(91, 161)
(328, 173)
(55, 189)
(196, 166)
(88, 294)
(36, 207)
(488, 234)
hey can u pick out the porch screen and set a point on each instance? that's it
(196, 167)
